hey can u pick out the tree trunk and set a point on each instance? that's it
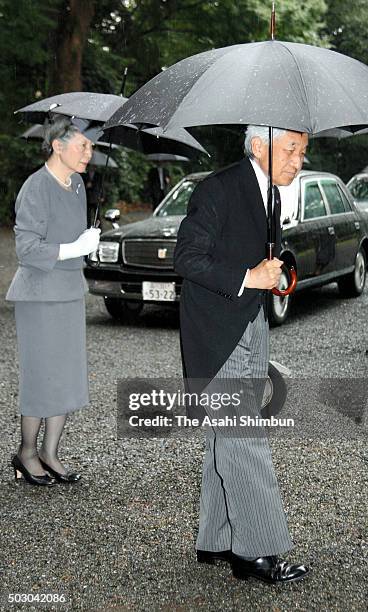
(73, 27)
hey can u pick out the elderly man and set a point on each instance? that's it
(220, 254)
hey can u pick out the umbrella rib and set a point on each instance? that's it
(301, 78)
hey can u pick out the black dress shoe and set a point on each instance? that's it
(67, 478)
(21, 470)
(269, 569)
(207, 556)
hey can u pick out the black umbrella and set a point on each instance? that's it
(97, 108)
(287, 85)
(37, 132)
(166, 157)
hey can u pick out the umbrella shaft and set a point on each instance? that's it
(270, 194)
(270, 247)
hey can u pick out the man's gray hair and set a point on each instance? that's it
(261, 131)
(59, 127)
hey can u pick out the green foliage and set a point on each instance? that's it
(25, 29)
(346, 29)
(127, 182)
(346, 26)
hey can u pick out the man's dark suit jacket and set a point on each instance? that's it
(223, 234)
(157, 194)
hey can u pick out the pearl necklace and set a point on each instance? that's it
(62, 183)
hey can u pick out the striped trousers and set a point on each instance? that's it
(240, 507)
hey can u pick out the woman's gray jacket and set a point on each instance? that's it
(48, 215)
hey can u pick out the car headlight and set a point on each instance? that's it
(108, 252)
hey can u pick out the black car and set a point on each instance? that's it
(358, 187)
(324, 238)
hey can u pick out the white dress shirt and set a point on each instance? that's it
(263, 186)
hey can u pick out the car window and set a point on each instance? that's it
(334, 197)
(176, 203)
(359, 189)
(347, 204)
(314, 205)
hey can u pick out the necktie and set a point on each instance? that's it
(277, 207)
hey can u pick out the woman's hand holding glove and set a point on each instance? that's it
(85, 244)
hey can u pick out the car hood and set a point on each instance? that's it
(152, 227)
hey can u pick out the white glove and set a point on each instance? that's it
(85, 244)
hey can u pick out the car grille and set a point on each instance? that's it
(149, 253)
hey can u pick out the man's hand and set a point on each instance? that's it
(266, 275)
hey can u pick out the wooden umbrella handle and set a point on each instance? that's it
(291, 288)
(291, 271)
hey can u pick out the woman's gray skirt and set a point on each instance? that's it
(53, 376)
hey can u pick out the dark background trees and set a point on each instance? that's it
(52, 46)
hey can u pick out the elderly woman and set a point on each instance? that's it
(48, 290)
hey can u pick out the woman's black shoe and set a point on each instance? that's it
(67, 478)
(20, 469)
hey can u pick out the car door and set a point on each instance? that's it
(316, 233)
(345, 222)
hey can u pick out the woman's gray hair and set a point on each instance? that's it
(260, 131)
(59, 127)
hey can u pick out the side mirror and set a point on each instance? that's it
(113, 215)
(286, 221)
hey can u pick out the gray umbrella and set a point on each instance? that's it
(166, 157)
(84, 104)
(37, 132)
(98, 107)
(288, 85)
(340, 133)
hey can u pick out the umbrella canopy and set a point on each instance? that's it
(37, 132)
(101, 159)
(98, 107)
(340, 133)
(281, 84)
(165, 157)
(84, 104)
(155, 140)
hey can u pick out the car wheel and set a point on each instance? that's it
(122, 310)
(279, 307)
(352, 285)
(275, 392)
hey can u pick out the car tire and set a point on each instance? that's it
(352, 285)
(275, 393)
(279, 307)
(122, 310)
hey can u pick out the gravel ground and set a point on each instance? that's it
(123, 538)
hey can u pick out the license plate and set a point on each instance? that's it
(160, 292)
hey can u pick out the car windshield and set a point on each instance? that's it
(175, 204)
(359, 189)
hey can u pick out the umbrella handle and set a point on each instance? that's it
(291, 271)
(291, 288)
